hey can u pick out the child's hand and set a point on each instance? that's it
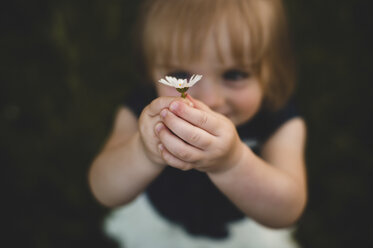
(197, 137)
(148, 120)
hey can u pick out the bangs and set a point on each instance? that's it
(177, 31)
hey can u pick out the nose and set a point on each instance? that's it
(209, 92)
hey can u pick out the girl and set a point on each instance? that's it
(225, 166)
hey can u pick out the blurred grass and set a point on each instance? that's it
(67, 65)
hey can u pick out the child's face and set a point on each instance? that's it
(225, 88)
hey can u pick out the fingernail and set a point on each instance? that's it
(163, 113)
(190, 103)
(174, 106)
(158, 127)
(160, 147)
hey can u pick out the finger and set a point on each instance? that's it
(158, 104)
(172, 160)
(176, 146)
(189, 133)
(163, 102)
(208, 121)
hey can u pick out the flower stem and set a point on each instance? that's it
(182, 91)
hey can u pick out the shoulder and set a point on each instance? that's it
(285, 149)
(126, 117)
(290, 133)
(124, 126)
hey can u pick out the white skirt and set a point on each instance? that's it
(138, 225)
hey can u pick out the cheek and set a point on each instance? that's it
(252, 100)
(247, 102)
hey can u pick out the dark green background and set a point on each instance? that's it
(66, 66)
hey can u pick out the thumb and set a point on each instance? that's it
(155, 107)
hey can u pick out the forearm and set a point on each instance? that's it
(263, 192)
(119, 174)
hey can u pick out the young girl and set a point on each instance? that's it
(225, 166)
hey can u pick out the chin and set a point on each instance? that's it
(239, 120)
(234, 120)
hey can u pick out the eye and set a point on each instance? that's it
(235, 75)
(180, 74)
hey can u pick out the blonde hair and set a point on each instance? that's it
(257, 34)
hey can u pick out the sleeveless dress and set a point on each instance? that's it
(185, 209)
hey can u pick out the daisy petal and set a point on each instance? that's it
(164, 82)
(194, 79)
(172, 80)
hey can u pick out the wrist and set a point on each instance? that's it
(237, 156)
(150, 160)
(239, 166)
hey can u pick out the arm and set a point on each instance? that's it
(130, 159)
(271, 191)
(121, 170)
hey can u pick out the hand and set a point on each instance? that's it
(147, 122)
(197, 137)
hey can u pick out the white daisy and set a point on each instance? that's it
(180, 83)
